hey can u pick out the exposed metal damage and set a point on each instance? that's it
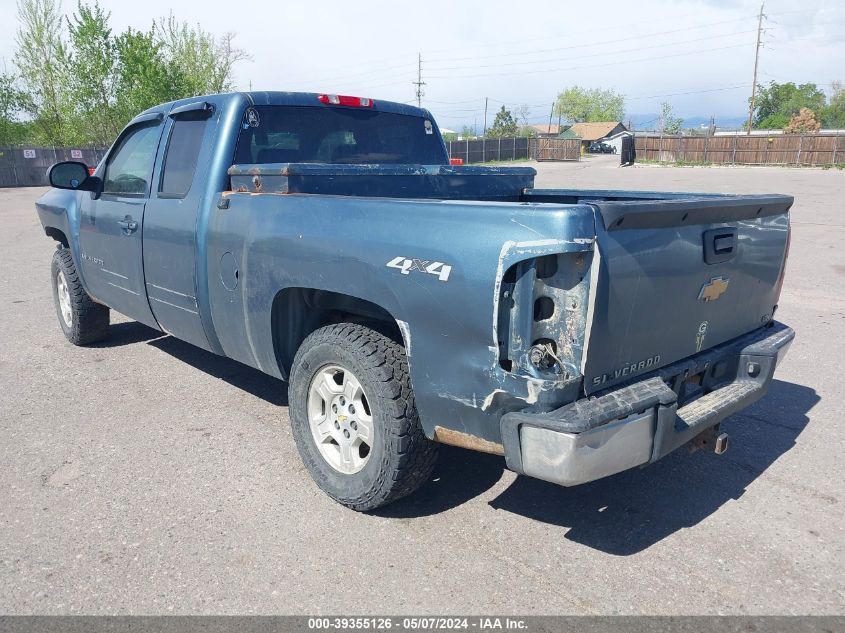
(465, 440)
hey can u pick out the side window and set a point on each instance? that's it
(183, 150)
(130, 167)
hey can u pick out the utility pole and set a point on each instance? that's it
(419, 83)
(551, 114)
(485, 116)
(760, 17)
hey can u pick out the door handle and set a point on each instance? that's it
(720, 245)
(128, 225)
(724, 243)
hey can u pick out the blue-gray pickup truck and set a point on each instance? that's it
(327, 241)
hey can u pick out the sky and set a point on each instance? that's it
(696, 54)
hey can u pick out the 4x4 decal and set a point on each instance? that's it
(406, 265)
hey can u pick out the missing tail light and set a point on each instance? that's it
(542, 315)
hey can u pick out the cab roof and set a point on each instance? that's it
(280, 98)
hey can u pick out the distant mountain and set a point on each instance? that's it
(649, 121)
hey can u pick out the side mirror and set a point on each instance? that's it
(72, 175)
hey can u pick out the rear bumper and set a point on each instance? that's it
(640, 423)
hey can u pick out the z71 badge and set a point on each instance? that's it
(406, 265)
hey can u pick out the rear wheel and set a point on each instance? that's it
(354, 418)
(82, 320)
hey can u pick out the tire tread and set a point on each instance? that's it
(411, 458)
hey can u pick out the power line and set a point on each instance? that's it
(378, 66)
(592, 44)
(580, 67)
(601, 53)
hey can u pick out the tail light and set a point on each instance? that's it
(91, 171)
(456, 161)
(344, 100)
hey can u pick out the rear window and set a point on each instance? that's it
(306, 134)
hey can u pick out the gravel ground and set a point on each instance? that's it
(145, 476)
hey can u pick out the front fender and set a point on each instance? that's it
(60, 209)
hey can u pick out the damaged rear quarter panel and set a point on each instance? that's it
(343, 244)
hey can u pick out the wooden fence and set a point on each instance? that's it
(495, 149)
(781, 149)
(556, 149)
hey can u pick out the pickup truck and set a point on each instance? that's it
(327, 241)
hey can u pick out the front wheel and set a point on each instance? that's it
(82, 320)
(354, 419)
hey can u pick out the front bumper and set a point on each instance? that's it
(640, 423)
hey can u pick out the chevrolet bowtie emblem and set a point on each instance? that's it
(713, 289)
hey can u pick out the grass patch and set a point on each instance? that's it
(493, 163)
(677, 163)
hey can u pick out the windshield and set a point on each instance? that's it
(314, 134)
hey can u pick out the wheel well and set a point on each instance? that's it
(299, 311)
(57, 235)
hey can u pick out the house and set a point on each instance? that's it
(607, 131)
(546, 130)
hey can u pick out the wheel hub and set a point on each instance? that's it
(340, 419)
(63, 293)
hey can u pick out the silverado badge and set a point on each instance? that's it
(713, 289)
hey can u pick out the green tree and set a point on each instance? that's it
(78, 82)
(467, 132)
(41, 59)
(205, 62)
(833, 115)
(92, 61)
(668, 123)
(144, 77)
(777, 103)
(577, 105)
(504, 125)
(13, 102)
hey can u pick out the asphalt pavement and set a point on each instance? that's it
(145, 476)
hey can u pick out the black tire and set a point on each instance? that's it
(401, 457)
(89, 320)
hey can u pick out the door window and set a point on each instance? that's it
(130, 167)
(183, 151)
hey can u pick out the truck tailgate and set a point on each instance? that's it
(678, 276)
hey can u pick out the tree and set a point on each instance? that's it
(41, 60)
(524, 129)
(503, 125)
(803, 123)
(205, 61)
(144, 77)
(78, 82)
(92, 61)
(777, 103)
(833, 115)
(577, 105)
(467, 132)
(13, 101)
(668, 123)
